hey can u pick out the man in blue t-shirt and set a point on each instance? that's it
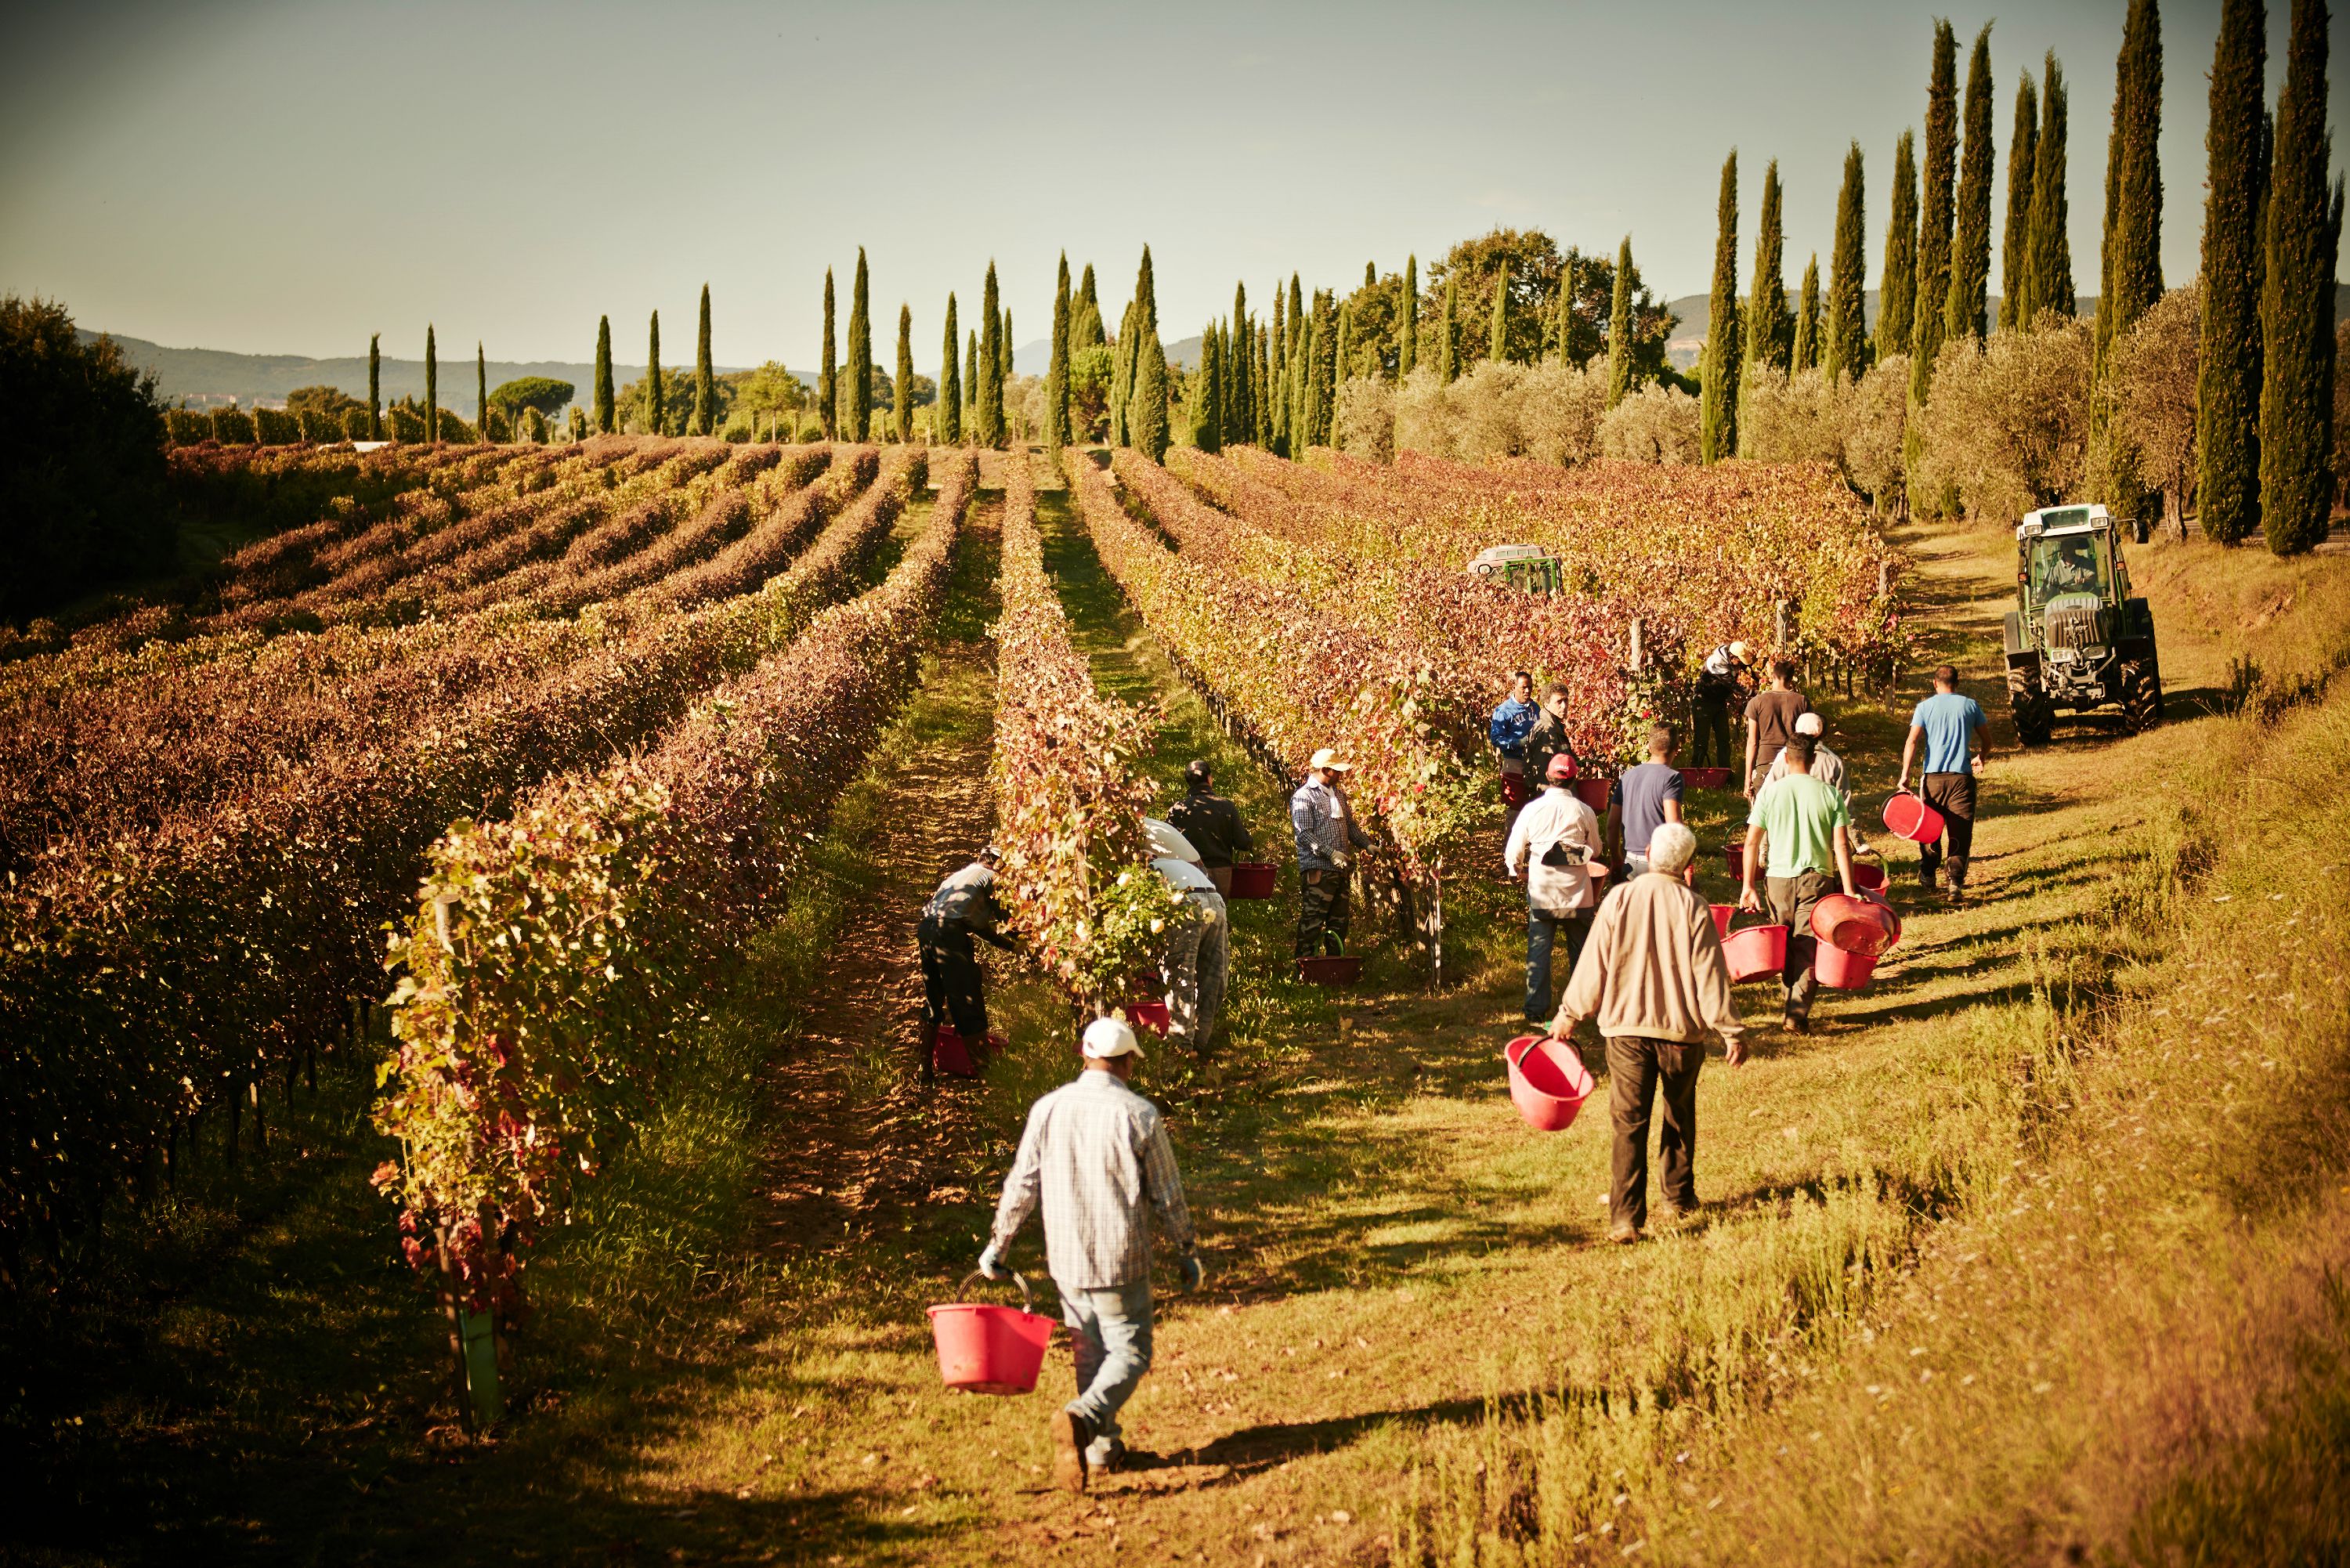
(1641, 801)
(1952, 727)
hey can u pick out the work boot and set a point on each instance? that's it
(1673, 1213)
(1795, 1025)
(1071, 1433)
(1625, 1233)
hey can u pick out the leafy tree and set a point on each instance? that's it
(605, 424)
(657, 407)
(947, 423)
(705, 392)
(858, 414)
(1898, 302)
(1717, 413)
(1937, 174)
(1056, 377)
(2153, 373)
(328, 402)
(1407, 340)
(990, 431)
(827, 382)
(1619, 329)
(656, 385)
(2015, 238)
(2304, 235)
(904, 390)
(432, 387)
(82, 474)
(1846, 347)
(544, 393)
(2048, 253)
(1770, 327)
(1807, 319)
(375, 387)
(2229, 368)
(1373, 313)
(764, 392)
(1966, 314)
(1529, 265)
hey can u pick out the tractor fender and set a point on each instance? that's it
(2138, 621)
(2011, 634)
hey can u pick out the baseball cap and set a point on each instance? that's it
(1108, 1037)
(1329, 761)
(1561, 769)
(1809, 724)
(1737, 650)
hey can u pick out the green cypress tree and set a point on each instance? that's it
(1260, 374)
(2048, 255)
(1897, 301)
(1408, 343)
(1301, 385)
(1845, 350)
(1057, 376)
(1497, 331)
(1086, 298)
(705, 380)
(1296, 317)
(605, 421)
(375, 386)
(858, 412)
(1277, 374)
(1936, 175)
(1717, 413)
(1240, 409)
(2229, 370)
(827, 382)
(1619, 328)
(2015, 235)
(1146, 294)
(947, 420)
(431, 388)
(1122, 375)
(1004, 364)
(970, 386)
(1448, 354)
(1148, 416)
(1807, 318)
(1966, 311)
(991, 357)
(480, 391)
(1342, 361)
(904, 409)
(656, 401)
(1207, 394)
(2304, 233)
(1769, 327)
(1326, 364)
(2130, 272)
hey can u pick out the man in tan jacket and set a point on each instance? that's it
(1652, 977)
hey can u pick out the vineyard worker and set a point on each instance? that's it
(1213, 824)
(1327, 835)
(1953, 727)
(954, 990)
(1548, 738)
(1771, 720)
(1197, 965)
(1508, 729)
(1827, 766)
(1559, 838)
(1095, 1152)
(1642, 800)
(1718, 680)
(1809, 831)
(1652, 978)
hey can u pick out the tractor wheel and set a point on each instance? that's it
(2157, 668)
(2035, 715)
(2141, 696)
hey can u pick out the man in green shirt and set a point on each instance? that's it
(1809, 835)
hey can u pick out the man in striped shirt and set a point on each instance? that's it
(1095, 1153)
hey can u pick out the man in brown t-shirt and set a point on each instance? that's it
(1771, 721)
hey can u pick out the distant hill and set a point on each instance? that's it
(213, 375)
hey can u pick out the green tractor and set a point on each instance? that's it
(1529, 568)
(2076, 640)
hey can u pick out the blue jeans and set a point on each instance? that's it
(1111, 1331)
(1543, 931)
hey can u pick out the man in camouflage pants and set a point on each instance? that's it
(1328, 837)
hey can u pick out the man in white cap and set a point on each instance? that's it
(1094, 1154)
(1198, 961)
(1717, 688)
(1328, 837)
(1827, 766)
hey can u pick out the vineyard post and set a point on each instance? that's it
(1636, 645)
(1779, 627)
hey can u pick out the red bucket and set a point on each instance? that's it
(1331, 969)
(1843, 970)
(1735, 854)
(1705, 778)
(1593, 793)
(1254, 880)
(1858, 926)
(1722, 917)
(1548, 1082)
(1910, 816)
(1756, 952)
(1866, 878)
(1150, 1015)
(988, 1349)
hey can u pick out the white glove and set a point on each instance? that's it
(990, 1261)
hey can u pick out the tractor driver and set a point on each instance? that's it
(2073, 567)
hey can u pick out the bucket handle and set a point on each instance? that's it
(1027, 1302)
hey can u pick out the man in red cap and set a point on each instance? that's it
(1559, 839)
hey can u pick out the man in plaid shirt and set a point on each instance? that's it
(1094, 1152)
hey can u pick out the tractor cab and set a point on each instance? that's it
(1529, 568)
(2077, 639)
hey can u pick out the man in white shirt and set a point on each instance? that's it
(1198, 963)
(1558, 837)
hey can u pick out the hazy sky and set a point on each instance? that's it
(287, 177)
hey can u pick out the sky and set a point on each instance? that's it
(282, 178)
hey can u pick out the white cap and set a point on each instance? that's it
(1108, 1037)
(1167, 843)
(1327, 761)
(1737, 650)
(1809, 724)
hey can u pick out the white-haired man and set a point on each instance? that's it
(1094, 1154)
(1652, 978)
